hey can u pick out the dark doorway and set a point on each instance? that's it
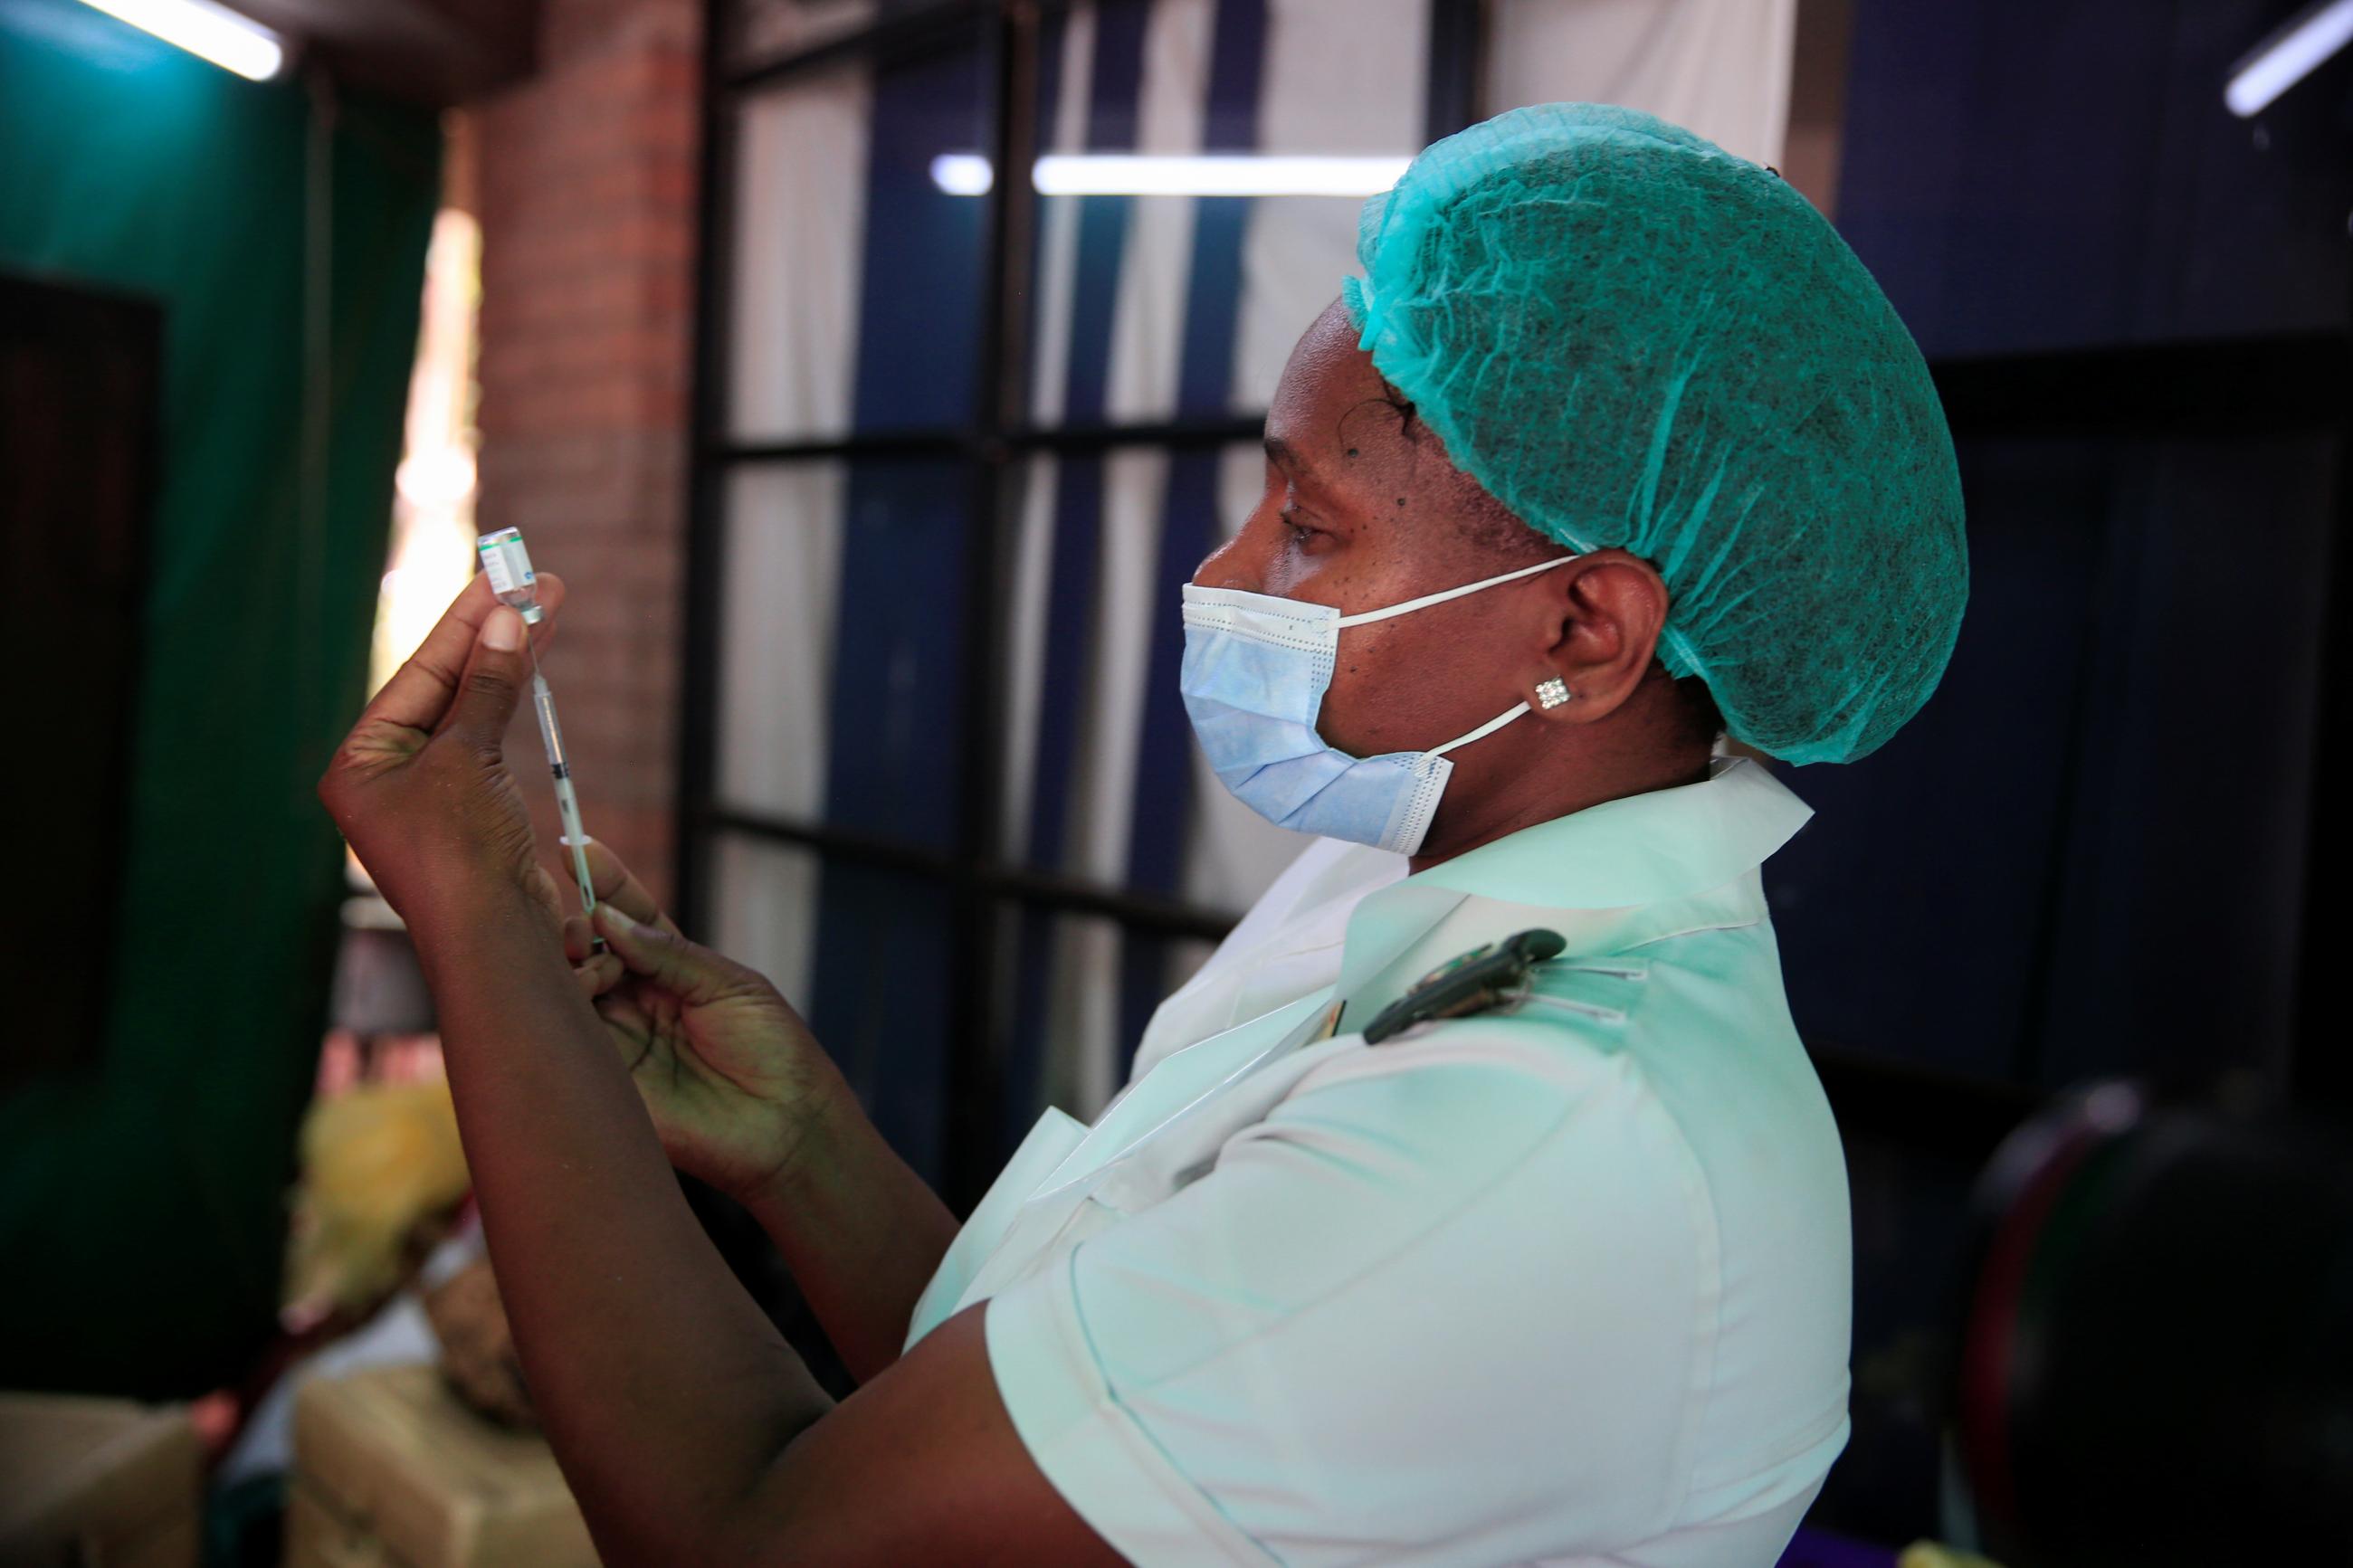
(80, 377)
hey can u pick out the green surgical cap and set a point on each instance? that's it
(1630, 337)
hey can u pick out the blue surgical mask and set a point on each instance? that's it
(1256, 668)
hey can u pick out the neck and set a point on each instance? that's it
(1524, 794)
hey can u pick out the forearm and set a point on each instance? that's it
(860, 1231)
(665, 1390)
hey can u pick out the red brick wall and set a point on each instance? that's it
(588, 233)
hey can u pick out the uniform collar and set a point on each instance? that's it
(1637, 849)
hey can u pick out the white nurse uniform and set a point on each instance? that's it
(1565, 1284)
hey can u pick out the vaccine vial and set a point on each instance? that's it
(508, 565)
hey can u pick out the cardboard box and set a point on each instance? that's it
(104, 1482)
(391, 1471)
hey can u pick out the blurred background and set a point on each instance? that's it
(873, 472)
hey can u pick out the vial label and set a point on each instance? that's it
(506, 562)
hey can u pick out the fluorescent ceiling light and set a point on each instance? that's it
(1210, 174)
(209, 31)
(963, 174)
(2288, 56)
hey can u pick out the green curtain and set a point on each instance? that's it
(142, 1201)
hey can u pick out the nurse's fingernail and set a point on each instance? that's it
(502, 631)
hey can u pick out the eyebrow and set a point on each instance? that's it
(1283, 455)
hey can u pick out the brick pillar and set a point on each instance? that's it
(588, 235)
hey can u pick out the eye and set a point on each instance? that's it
(1300, 532)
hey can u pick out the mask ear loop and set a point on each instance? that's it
(1500, 720)
(1445, 594)
(1489, 727)
(1430, 772)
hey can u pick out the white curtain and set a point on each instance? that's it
(779, 600)
(799, 217)
(779, 604)
(800, 236)
(1082, 1021)
(1341, 78)
(1720, 68)
(764, 902)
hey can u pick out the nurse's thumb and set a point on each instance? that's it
(688, 970)
(493, 681)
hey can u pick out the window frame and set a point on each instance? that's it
(995, 443)
(2279, 384)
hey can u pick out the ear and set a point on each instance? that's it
(1606, 610)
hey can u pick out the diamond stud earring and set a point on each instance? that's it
(1552, 693)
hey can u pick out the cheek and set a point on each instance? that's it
(1381, 687)
(1410, 689)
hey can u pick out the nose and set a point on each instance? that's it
(1241, 561)
(1217, 568)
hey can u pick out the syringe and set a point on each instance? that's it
(508, 566)
(567, 802)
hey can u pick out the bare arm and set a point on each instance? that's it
(688, 1429)
(862, 1234)
(761, 1112)
(922, 1465)
(664, 1389)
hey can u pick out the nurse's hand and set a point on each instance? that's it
(734, 1078)
(420, 788)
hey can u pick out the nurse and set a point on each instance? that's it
(1614, 452)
